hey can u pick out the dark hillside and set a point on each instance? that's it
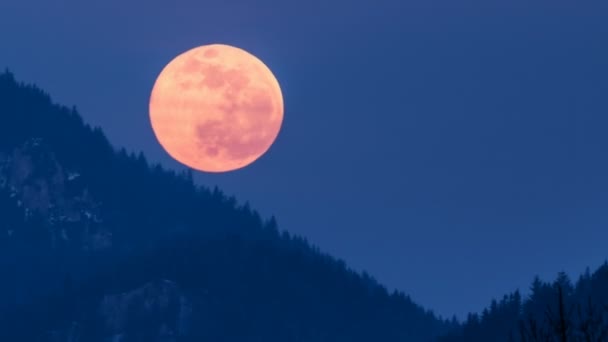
(99, 245)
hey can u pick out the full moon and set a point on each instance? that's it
(216, 108)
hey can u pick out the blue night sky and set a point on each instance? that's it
(453, 149)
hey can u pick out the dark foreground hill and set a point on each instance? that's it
(99, 245)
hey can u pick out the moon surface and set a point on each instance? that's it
(216, 108)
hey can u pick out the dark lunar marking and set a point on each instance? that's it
(213, 76)
(185, 85)
(191, 65)
(211, 53)
(237, 81)
(260, 105)
(216, 133)
(212, 151)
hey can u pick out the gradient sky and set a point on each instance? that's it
(454, 149)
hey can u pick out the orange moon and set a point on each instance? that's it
(216, 108)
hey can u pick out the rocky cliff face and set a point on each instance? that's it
(68, 217)
(159, 305)
(43, 189)
(155, 312)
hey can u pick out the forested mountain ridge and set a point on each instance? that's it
(96, 244)
(99, 245)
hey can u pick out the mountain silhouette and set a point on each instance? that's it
(97, 244)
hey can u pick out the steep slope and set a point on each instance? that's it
(97, 245)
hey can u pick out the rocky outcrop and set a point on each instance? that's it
(43, 189)
(157, 309)
(154, 312)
